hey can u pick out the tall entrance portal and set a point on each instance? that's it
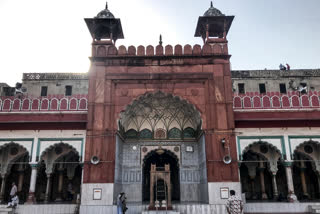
(160, 130)
(143, 100)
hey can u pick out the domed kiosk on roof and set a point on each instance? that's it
(212, 11)
(105, 14)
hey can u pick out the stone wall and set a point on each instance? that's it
(56, 83)
(129, 165)
(272, 79)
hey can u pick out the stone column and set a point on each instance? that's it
(33, 181)
(318, 175)
(60, 185)
(21, 177)
(48, 189)
(274, 185)
(168, 183)
(263, 187)
(3, 187)
(252, 166)
(303, 179)
(152, 180)
(291, 196)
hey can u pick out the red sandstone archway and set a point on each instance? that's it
(159, 112)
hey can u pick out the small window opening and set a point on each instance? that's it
(44, 91)
(262, 88)
(68, 90)
(283, 88)
(241, 88)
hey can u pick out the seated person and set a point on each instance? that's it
(14, 201)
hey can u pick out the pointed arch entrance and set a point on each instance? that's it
(14, 168)
(160, 158)
(306, 171)
(59, 175)
(160, 129)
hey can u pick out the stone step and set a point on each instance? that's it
(160, 212)
(315, 208)
(4, 210)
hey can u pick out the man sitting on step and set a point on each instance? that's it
(14, 201)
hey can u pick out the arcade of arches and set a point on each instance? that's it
(57, 172)
(266, 176)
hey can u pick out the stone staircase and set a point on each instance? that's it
(5, 210)
(315, 208)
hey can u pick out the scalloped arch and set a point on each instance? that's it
(13, 143)
(247, 148)
(150, 108)
(301, 145)
(305, 143)
(151, 152)
(57, 144)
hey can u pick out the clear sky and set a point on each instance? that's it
(51, 36)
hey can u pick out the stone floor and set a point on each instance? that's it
(41, 209)
(250, 208)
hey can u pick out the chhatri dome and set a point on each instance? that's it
(105, 14)
(212, 11)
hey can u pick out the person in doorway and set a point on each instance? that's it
(13, 190)
(14, 201)
(234, 203)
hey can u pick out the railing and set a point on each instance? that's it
(50, 103)
(250, 100)
(275, 100)
(55, 76)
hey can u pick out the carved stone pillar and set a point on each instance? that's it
(274, 185)
(262, 184)
(291, 196)
(303, 179)
(21, 177)
(152, 172)
(48, 189)
(3, 187)
(252, 166)
(318, 175)
(33, 181)
(168, 182)
(60, 184)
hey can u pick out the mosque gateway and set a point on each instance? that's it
(170, 126)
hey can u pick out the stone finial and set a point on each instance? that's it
(211, 4)
(160, 40)
(107, 5)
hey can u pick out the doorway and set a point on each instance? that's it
(161, 157)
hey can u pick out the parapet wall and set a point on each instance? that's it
(274, 74)
(55, 76)
(102, 49)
